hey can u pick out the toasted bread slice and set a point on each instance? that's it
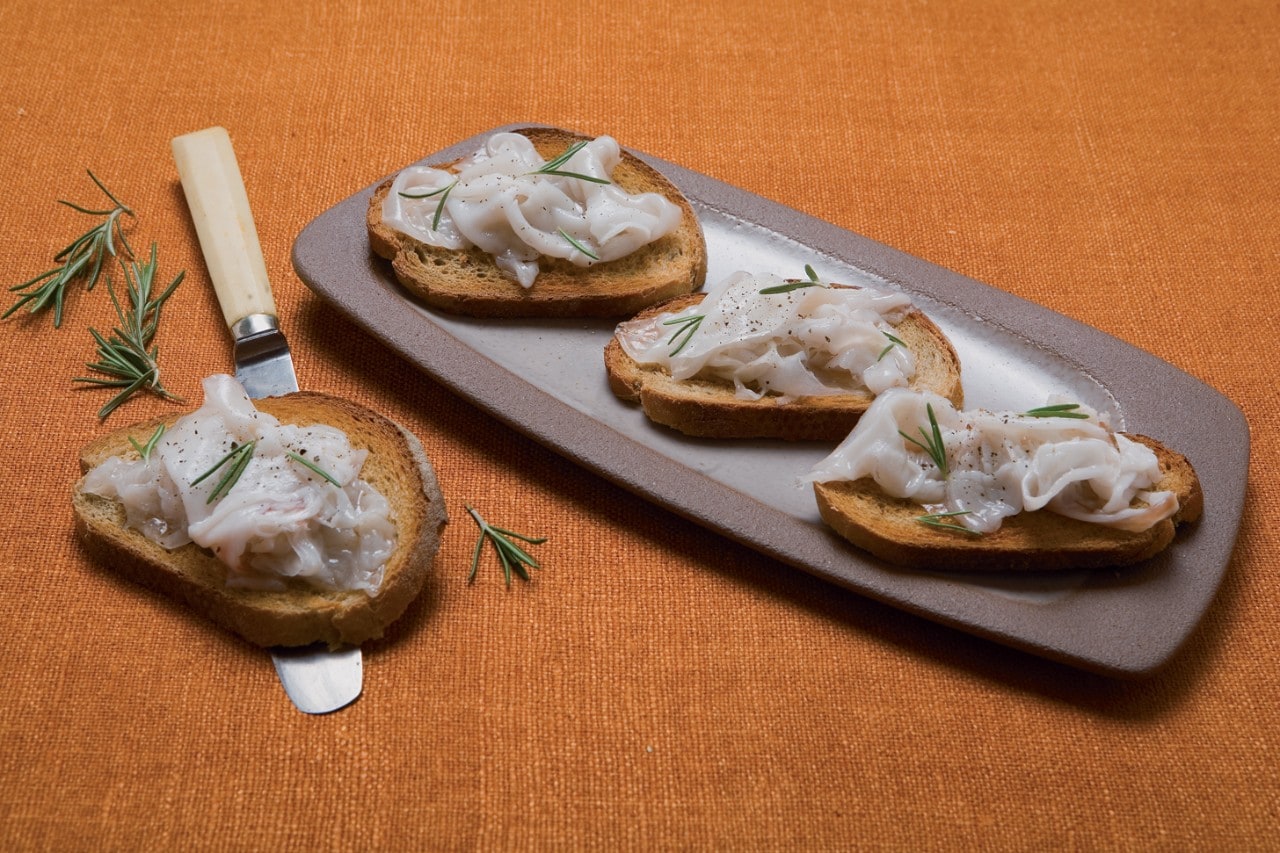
(708, 407)
(298, 615)
(890, 529)
(469, 282)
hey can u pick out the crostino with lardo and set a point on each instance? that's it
(757, 356)
(926, 485)
(539, 222)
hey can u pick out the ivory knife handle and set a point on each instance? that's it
(220, 210)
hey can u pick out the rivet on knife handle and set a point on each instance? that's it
(219, 206)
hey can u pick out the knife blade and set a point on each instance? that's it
(317, 680)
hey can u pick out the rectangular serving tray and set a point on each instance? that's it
(546, 379)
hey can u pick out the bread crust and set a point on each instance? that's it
(298, 615)
(708, 408)
(1030, 541)
(468, 281)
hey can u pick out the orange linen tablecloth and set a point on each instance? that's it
(654, 686)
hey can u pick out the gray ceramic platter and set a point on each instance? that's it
(546, 379)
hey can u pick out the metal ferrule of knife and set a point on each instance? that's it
(263, 362)
(254, 327)
(258, 336)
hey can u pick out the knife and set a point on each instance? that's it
(317, 680)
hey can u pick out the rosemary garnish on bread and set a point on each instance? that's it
(238, 458)
(443, 192)
(307, 463)
(894, 341)
(688, 325)
(575, 244)
(1059, 410)
(937, 450)
(144, 450)
(552, 167)
(932, 444)
(939, 519)
(811, 280)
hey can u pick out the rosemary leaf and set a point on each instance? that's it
(938, 519)
(552, 167)
(575, 244)
(430, 194)
(443, 192)
(475, 553)
(80, 260)
(810, 275)
(789, 286)
(939, 449)
(932, 443)
(239, 457)
(144, 450)
(688, 325)
(307, 463)
(511, 556)
(557, 162)
(893, 342)
(435, 220)
(1060, 410)
(577, 175)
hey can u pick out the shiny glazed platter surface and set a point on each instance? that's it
(546, 379)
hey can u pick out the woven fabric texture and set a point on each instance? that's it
(655, 686)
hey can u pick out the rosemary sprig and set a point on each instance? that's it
(239, 458)
(788, 287)
(688, 325)
(938, 519)
(1059, 410)
(512, 557)
(82, 258)
(932, 443)
(575, 244)
(307, 463)
(893, 342)
(144, 450)
(443, 192)
(127, 357)
(552, 167)
(811, 280)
